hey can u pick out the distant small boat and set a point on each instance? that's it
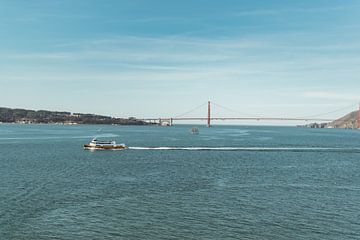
(194, 131)
(104, 145)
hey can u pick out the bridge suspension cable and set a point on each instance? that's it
(190, 111)
(330, 112)
(235, 111)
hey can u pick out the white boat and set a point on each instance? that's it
(104, 145)
(194, 131)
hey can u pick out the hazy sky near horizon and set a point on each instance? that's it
(161, 58)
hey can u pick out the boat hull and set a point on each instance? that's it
(115, 147)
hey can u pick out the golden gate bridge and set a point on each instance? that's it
(169, 121)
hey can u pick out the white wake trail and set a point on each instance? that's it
(247, 148)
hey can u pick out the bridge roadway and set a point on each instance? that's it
(240, 118)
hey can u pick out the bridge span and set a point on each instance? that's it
(169, 121)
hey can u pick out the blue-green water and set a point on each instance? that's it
(273, 183)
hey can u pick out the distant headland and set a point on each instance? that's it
(24, 116)
(349, 121)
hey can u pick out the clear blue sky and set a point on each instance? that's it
(155, 58)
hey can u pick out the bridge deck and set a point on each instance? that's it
(241, 118)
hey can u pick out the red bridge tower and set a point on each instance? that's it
(209, 115)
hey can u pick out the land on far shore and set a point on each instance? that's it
(349, 121)
(24, 116)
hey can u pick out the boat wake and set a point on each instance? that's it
(290, 149)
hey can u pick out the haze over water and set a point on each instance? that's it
(228, 182)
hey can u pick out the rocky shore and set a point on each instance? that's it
(349, 121)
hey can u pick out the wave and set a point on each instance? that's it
(302, 149)
(46, 138)
(105, 135)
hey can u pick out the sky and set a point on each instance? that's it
(162, 58)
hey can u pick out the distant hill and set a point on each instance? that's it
(348, 121)
(9, 115)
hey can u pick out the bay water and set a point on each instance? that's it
(228, 182)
